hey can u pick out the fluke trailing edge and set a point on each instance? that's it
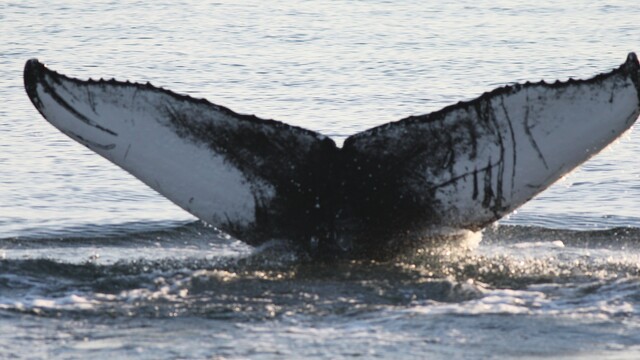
(461, 167)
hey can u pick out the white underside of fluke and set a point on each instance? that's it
(543, 135)
(128, 127)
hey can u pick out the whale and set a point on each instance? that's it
(384, 190)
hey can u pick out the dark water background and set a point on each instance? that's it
(95, 265)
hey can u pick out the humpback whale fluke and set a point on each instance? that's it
(462, 167)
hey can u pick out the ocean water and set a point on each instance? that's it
(93, 264)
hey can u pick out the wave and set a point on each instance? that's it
(197, 233)
(242, 292)
(124, 234)
(194, 270)
(609, 237)
(275, 282)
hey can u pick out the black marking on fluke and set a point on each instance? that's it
(370, 198)
(88, 143)
(34, 74)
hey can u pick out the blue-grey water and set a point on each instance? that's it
(93, 264)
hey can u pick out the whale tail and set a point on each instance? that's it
(461, 167)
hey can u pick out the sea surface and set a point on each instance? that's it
(93, 264)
